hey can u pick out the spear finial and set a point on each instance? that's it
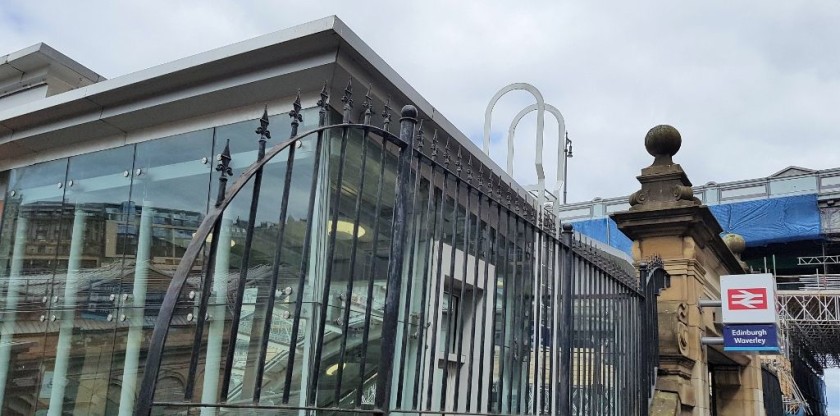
(446, 153)
(419, 142)
(368, 106)
(295, 115)
(322, 105)
(386, 114)
(262, 130)
(347, 99)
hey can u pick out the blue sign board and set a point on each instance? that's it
(751, 337)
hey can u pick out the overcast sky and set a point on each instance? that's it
(753, 86)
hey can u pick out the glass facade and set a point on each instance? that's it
(289, 312)
(87, 248)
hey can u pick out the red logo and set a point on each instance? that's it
(747, 299)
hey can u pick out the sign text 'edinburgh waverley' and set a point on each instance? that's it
(762, 337)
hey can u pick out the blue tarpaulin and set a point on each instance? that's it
(774, 220)
(760, 222)
(605, 231)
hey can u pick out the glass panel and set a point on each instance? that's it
(259, 273)
(80, 334)
(168, 200)
(360, 254)
(29, 242)
(415, 282)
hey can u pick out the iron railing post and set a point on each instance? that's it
(236, 311)
(224, 172)
(565, 389)
(644, 313)
(408, 122)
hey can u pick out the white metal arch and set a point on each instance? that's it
(488, 115)
(561, 159)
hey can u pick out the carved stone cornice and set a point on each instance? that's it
(696, 222)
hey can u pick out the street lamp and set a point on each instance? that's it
(567, 153)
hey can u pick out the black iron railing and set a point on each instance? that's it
(419, 281)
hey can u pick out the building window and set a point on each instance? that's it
(450, 325)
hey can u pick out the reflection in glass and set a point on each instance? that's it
(89, 245)
(80, 333)
(29, 243)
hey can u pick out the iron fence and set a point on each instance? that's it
(419, 282)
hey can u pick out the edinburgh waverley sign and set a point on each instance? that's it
(748, 299)
(762, 337)
(749, 313)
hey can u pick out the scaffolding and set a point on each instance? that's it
(809, 308)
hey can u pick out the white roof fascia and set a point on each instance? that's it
(91, 102)
(91, 92)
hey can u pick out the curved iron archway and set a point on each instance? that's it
(212, 221)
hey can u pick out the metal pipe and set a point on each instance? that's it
(561, 150)
(555, 323)
(506, 283)
(538, 348)
(567, 154)
(566, 288)
(711, 340)
(641, 350)
(588, 283)
(265, 335)
(488, 115)
(579, 330)
(413, 240)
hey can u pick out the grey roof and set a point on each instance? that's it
(38, 56)
(253, 71)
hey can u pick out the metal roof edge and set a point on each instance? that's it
(51, 56)
(159, 71)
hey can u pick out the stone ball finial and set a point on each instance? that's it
(735, 242)
(663, 142)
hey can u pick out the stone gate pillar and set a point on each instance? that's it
(666, 220)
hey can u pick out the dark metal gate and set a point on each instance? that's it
(418, 281)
